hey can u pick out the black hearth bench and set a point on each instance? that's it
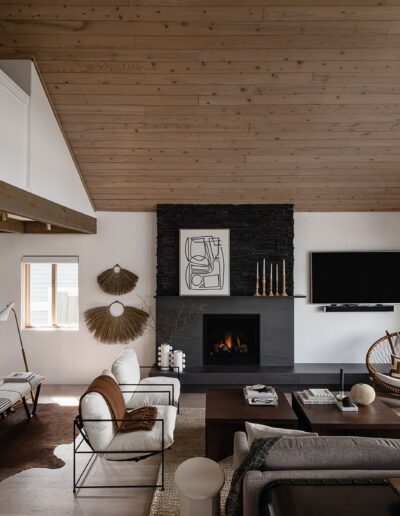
(297, 377)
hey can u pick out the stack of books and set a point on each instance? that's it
(19, 377)
(260, 395)
(317, 397)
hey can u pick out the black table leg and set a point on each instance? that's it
(35, 400)
(27, 412)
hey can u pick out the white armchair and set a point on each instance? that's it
(137, 392)
(96, 427)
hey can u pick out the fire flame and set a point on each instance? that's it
(228, 341)
(231, 343)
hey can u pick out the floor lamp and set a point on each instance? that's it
(4, 314)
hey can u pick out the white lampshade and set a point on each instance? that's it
(6, 311)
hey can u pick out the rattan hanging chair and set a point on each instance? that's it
(379, 361)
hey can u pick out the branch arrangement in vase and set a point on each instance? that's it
(170, 327)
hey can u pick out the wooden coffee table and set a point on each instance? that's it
(375, 420)
(227, 411)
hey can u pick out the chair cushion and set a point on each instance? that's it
(255, 430)
(144, 441)
(157, 398)
(10, 395)
(100, 433)
(388, 379)
(126, 370)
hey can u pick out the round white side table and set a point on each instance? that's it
(199, 481)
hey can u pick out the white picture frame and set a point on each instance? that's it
(204, 262)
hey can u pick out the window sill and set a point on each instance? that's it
(51, 329)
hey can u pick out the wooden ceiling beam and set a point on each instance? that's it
(12, 226)
(34, 227)
(26, 204)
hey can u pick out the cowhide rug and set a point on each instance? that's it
(26, 444)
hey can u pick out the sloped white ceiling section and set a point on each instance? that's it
(33, 153)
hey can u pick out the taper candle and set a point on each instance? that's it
(284, 293)
(271, 292)
(257, 282)
(277, 279)
(264, 266)
(341, 380)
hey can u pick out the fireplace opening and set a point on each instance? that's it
(229, 339)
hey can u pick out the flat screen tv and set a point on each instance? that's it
(355, 277)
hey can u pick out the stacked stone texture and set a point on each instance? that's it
(256, 232)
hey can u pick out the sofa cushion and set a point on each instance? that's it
(100, 433)
(107, 372)
(144, 441)
(139, 399)
(336, 452)
(126, 371)
(255, 431)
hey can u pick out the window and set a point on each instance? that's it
(51, 292)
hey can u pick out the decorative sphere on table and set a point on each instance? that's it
(362, 394)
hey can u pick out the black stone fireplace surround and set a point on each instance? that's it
(256, 232)
(276, 348)
(276, 327)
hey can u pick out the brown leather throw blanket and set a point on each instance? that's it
(138, 419)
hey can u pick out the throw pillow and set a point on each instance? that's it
(395, 369)
(255, 431)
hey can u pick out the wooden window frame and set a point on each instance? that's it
(27, 301)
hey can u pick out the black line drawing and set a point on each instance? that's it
(205, 269)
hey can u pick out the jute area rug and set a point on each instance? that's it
(26, 444)
(189, 442)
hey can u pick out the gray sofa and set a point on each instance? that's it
(317, 458)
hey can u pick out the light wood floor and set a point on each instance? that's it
(49, 492)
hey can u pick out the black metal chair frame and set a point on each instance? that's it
(152, 391)
(79, 425)
(158, 385)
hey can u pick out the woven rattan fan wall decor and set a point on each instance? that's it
(117, 281)
(116, 329)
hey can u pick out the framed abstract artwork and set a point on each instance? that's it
(204, 262)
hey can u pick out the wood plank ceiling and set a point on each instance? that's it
(222, 101)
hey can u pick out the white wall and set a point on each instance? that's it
(49, 170)
(14, 132)
(130, 240)
(75, 357)
(339, 337)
